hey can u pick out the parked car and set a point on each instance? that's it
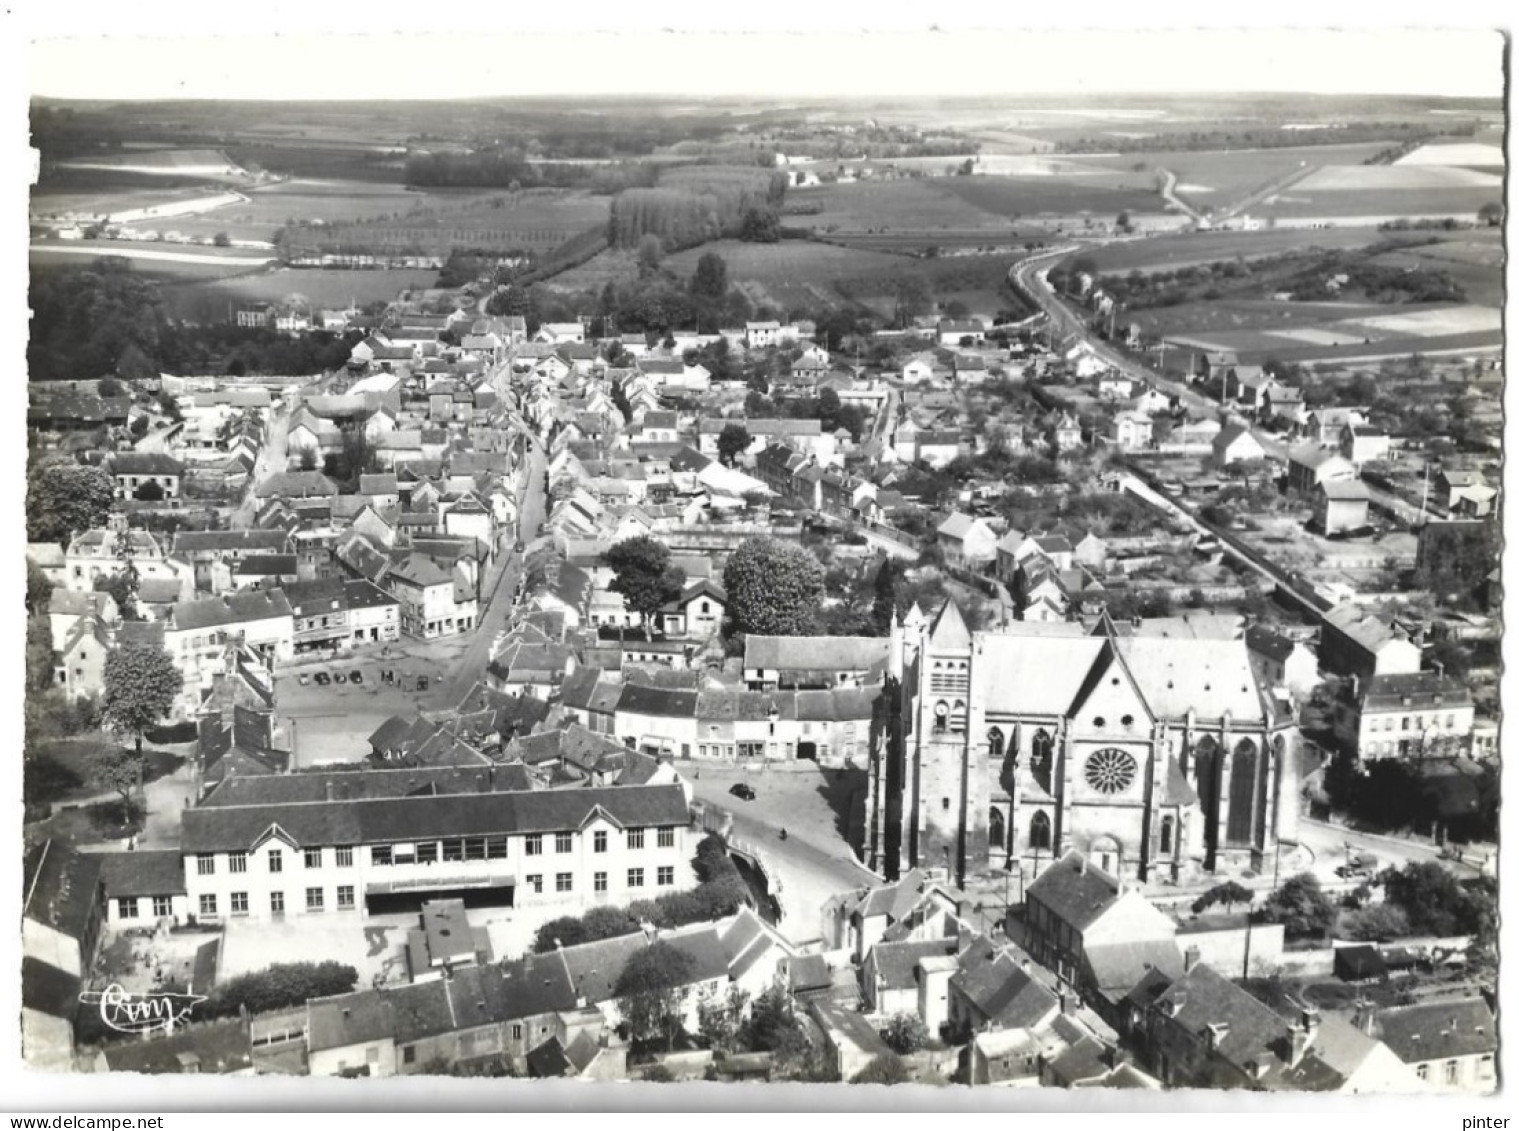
(743, 790)
(304, 679)
(322, 679)
(421, 683)
(339, 677)
(357, 677)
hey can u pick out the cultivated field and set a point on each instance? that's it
(1103, 198)
(1213, 178)
(1166, 253)
(1474, 154)
(906, 206)
(188, 261)
(1372, 204)
(1382, 178)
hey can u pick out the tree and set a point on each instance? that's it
(657, 1074)
(222, 239)
(115, 768)
(280, 986)
(1491, 214)
(732, 442)
(774, 588)
(905, 1033)
(141, 683)
(122, 585)
(1125, 224)
(307, 460)
(64, 499)
(149, 491)
(39, 590)
(650, 252)
(39, 652)
(885, 606)
(773, 1027)
(1377, 923)
(759, 226)
(913, 296)
(829, 407)
(643, 574)
(1431, 898)
(1301, 907)
(651, 992)
(888, 1068)
(719, 1016)
(711, 277)
(1228, 893)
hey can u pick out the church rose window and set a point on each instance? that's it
(1111, 771)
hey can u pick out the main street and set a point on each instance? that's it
(272, 457)
(468, 670)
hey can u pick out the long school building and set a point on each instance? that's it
(568, 850)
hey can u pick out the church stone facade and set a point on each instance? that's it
(1155, 756)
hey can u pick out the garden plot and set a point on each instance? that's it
(1318, 336)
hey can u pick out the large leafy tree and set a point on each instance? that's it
(885, 605)
(141, 683)
(774, 588)
(1301, 906)
(651, 992)
(1228, 893)
(64, 499)
(643, 574)
(711, 277)
(732, 442)
(115, 768)
(773, 1026)
(1433, 900)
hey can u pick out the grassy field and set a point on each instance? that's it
(1103, 197)
(187, 262)
(271, 208)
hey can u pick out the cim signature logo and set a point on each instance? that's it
(140, 1013)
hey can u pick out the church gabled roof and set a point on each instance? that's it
(949, 629)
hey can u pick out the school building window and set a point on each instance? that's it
(345, 857)
(599, 841)
(600, 881)
(635, 877)
(313, 857)
(666, 877)
(163, 906)
(635, 838)
(667, 838)
(313, 899)
(126, 908)
(536, 883)
(563, 842)
(276, 860)
(345, 898)
(564, 881)
(208, 905)
(533, 845)
(237, 862)
(239, 903)
(205, 864)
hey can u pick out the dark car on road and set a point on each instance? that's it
(322, 679)
(357, 677)
(743, 790)
(339, 677)
(421, 683)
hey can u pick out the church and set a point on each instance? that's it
(1157, 756)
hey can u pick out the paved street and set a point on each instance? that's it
(469, 668)
(814, 862)
(271, 458)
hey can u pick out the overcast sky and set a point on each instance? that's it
(822, 62)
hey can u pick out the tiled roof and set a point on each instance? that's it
(1075, 891)
(391, 820)
(1438, 1030)
(142, 872)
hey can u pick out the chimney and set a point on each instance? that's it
(1081, 865)
(1365, 1018)
(1190, 959)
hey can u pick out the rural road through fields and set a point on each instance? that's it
(470, 667)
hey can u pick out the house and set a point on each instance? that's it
(1341, 506)
(697, 613)
(953, 332)
(1114, 386)
(991, 989)
(1130, 431)
(434, 601)
(802, 662)
(918, 368)
(1093, 933)
(146, 475)
(915, 907)
(1203, 1031)
(1413, 715)
(1466, 493)
(1237, 444)
(1356, 642)
(222, 1047)
(1324, 425)
(1065, 434)
(1282, 661)
(850, 1042)
(49, 1006)
(1450, 1045)
(63, 906)
(1362, 443)
(144, 888)
(910, 976)
(967, 542)
(49, 558)
(759, 335)
(1309, 466)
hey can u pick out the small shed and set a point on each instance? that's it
(1359, 964)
